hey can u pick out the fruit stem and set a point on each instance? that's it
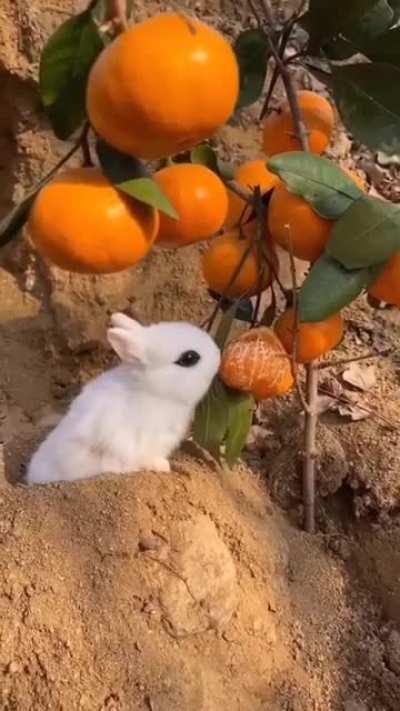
(310, 405)
(346, 361)
(210, 322)
(117, 15)
(259, 209)
(310, 452)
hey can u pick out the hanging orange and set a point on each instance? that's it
(162, 86)
(387, 286)
(279, 133)
(80, 222)
(314, 339)
(200, 199)
(292, 220)
(222, 258)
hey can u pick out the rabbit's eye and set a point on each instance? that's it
(187, 359)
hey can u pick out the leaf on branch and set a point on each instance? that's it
(223, 419)
(211, 419)
(368, 234)
(329, 287)
(319, 181)
(240, 409)
(252, 53)
(373, 23)
(326, 19)
(64, 67)
(385, 48)
(242, 310)
(129, 175)
(369, 105)
(205, 155)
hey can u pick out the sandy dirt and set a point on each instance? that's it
(194, 591)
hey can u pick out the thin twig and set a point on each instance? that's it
(346, 401)
(87, 158)
(116, 17)
(296, 329)
(299, 127)
(311, 414)
(310, 452)
(275, 76)
(346, 361)
(260, 236)
(239, 191)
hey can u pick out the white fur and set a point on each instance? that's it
(133, 416)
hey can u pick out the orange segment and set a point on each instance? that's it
(256, 363)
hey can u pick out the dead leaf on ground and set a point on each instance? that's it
(353, 411)
(362, 377)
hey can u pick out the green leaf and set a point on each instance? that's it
(385, 48)
(329, 287)
(366, 235)
(205, 155)
(241, 409)
(369, 104)
(326, 19)
(339, 48)
(129, 175)
(395, 5)
(117, 166)
(319, 181)
(212, 419)
(148, 191)
(64, 67)
(252, 53)
(226, 170)
(241, 309)
(373, 23)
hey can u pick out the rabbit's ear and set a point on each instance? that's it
(128, 344)
(119, 320)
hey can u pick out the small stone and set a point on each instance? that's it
(354, 706)
(393, 652)
(14, 668)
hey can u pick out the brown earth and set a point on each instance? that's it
(197, 590)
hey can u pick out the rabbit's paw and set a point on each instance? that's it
(159, 464)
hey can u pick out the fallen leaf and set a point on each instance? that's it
(325, 403)
(355, 412)
(362, 377)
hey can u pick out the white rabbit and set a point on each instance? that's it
(133, 416)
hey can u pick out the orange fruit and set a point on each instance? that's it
(80, 222)
(292, 218)
(162, 86)
(319, 119)
(248, 176)
(222, 258)
(387, 286)
(257, 363)
(200, 199)
(314, 339)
